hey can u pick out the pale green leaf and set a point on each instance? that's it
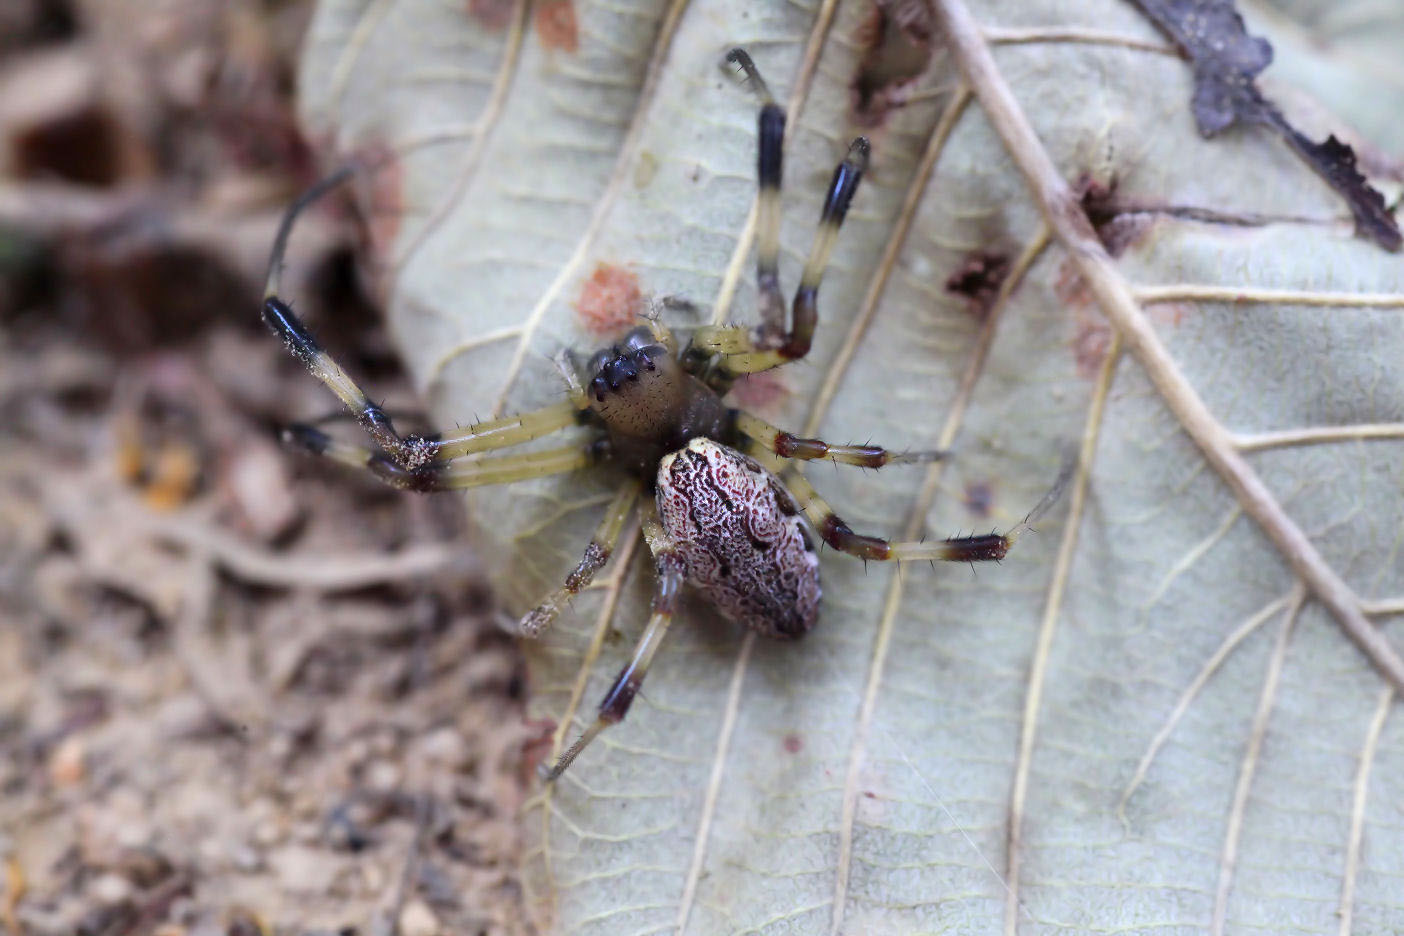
(871, 778)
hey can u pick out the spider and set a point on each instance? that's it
(719, 518)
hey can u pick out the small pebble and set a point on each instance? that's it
(383, 776)
(416, 919)
(111, 889)
(67, 763)
(246, 858)
(259, 481)
(444, 746)
(303, 870)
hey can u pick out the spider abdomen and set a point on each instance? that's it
(741, 537)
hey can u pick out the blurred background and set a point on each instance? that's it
(239, 693)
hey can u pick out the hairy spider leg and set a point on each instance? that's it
(448, 475)
(482, 436)
(412, 452)
(742, 353)
(786, 445)
(670, 575)
(988, 547)
(535, 622)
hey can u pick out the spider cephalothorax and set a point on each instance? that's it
(647, 402)
(705, 477)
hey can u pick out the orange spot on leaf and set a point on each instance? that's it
(609, 300)
(557, 26)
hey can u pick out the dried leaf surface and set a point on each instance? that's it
(1134, 723)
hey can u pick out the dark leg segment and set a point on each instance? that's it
(786, 445)
(626, 685)
(597, 553)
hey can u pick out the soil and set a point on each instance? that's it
(241, 692)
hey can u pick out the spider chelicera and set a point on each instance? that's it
(717, 518)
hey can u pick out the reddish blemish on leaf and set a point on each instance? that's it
(536, 747)
(1091, 341)
(760, 392)
(978, 279)
(556, 25)
(898, 38)
(793, 743)
(1167, 313)
(979, 497)
(1117, 227)
(1070, 287)
(492, 15)
(610, 300)
(380, 188)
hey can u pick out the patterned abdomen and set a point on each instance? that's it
(741, 537)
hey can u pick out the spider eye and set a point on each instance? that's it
(638, 339)
(598, 360)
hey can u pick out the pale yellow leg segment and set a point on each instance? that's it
(445, 475)
(504, 469)
(500, 433)
(597, 553)
(626, 685)
(724, 339)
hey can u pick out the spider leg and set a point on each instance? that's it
(597, 553)
(988, 547)
(784, 444)
(408, 452)
(626, 685)
(743, 352)
(771, 144)
(447, 475)
(480, 437)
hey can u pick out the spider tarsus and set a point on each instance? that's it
(739, 56)
(858, 152)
